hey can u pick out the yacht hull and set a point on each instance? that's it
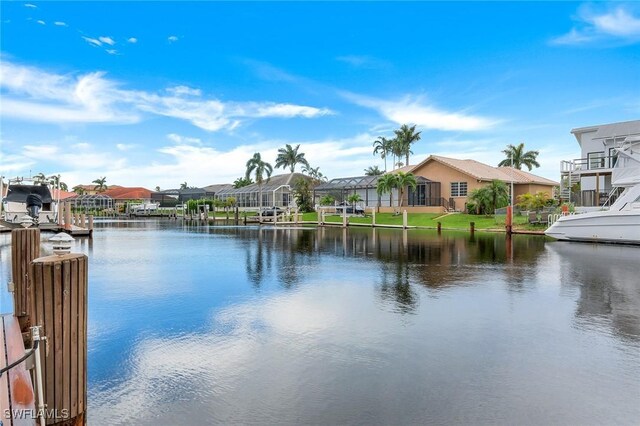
(622, 227)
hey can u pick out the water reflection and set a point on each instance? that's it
(606, 278)
(192, 324)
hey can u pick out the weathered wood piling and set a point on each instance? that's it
(25, 246)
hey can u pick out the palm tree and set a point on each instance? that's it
(517, 157)
(372, 171)
(314, 173)
(353, 199)
(184, 185)
(405, 137)
(157, 188)
(383, 146)
(101, 184)
(78, 189)
(404, 180)
(259, 168)
(55, 181)
(386, 183)
(289, 157)
(490, 197)
(39, 178)
(242, 182)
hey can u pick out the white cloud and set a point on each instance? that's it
(41, 22)
(362, 61)
(60, 24)
(112, 51)
(125, 147)
(36, 95)
(107, 40)
(172, 39)
(92, 41)
(614, 24)
(32, 6)
(415, 111)
(183, 140)
(132, 40)
(184, 90)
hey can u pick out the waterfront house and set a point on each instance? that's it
(444, 184)
(586, 181)
(276, 192)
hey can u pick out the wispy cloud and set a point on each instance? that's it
(184, 90)
(30, 5)
(41, 22)
(107, 40)
(620, 23)
(363, 61)
(125, 146)
(111, 51)
(172, 39)
(183, 140)
(60, 24)
(132, 40)
(36, 95)
(416, 110)
(92, 41)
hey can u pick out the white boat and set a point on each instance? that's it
(29, 197)
(621, 222)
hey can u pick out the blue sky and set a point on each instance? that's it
(158, 93)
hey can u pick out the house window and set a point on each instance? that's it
(613, 157)
(596, 160)
(458, 189)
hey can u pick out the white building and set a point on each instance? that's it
(586, 181)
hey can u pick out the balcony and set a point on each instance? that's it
(589, 165)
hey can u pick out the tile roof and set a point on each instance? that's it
(123, 193)
(485, 172)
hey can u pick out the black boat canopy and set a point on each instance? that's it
(18, 193)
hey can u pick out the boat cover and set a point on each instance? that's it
(18, 193)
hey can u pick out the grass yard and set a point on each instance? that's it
(430, 220)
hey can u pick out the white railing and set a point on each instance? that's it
(555, 216)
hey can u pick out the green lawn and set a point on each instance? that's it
(450, 221)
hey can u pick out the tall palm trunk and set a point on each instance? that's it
(407, 163)
(385, 163)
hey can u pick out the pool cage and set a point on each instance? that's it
(86, 203)
(247, 197)
(427, 192)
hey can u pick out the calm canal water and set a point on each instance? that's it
(206, 325)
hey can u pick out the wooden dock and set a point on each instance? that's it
(50, 310)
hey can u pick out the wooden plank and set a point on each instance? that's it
(4, 381)
(39, 310)
(20, 386)
(49, 331)
(66, 333)
(73, 375)
(57, 340)
(82, 333)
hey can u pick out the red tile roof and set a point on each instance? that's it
(124, 193)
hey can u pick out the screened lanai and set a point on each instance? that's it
(275, 192)
(427, 192)
(91, 202)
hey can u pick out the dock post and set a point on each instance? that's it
(61, 209)
(67, 218)
(439, 228)
(373, 218)
(472, 227)
(59, 286)
(25, 246)
(509, 220)
(296, 213)
(404, 219)
(83, 220)
(76, 219)
(320, 217)
(344, 217)
(90, 225)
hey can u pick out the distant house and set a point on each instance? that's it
(444, 184)
(276, 191)
(586, 181)
(121, 193)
